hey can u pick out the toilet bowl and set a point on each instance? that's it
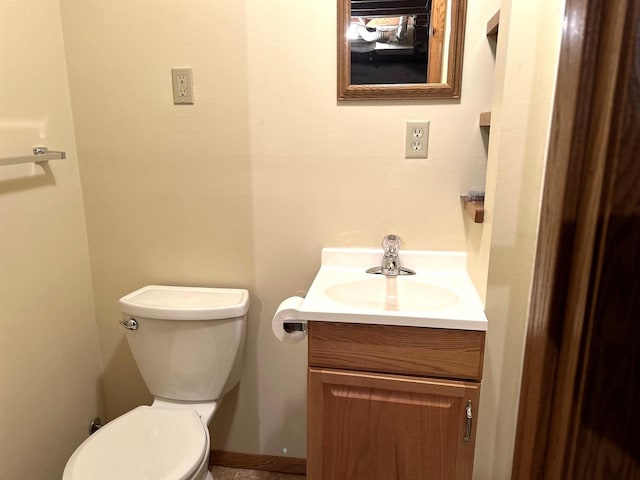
(188, 344)
(145, 442)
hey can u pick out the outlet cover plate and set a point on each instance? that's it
(417, 140)
(182, 79)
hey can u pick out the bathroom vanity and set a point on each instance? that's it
(394, 374)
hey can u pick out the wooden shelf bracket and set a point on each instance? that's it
(474, 208)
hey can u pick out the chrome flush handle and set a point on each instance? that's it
(130, 324)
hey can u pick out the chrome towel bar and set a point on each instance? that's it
(40, 154)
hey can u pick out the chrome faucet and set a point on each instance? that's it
(391, 261)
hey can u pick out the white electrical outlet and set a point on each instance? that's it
(416, 140)
(182, 86)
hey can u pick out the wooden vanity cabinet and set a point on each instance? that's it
(390, 403)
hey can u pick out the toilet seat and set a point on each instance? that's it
(147, 443)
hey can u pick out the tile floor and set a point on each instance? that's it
(224, 473)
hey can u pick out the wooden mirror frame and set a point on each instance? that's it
(450, 89)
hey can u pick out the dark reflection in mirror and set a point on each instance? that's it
(396, 41)
(389, 41)
(392, 49)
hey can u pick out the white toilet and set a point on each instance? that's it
(188, 343)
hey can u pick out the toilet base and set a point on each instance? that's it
(209, 476)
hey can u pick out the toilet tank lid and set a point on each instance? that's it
(185, 303)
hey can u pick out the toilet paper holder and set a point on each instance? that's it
(287, 326)
(291, 327)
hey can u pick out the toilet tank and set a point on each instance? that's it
(188, 342)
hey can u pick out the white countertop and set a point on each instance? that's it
(440, 295)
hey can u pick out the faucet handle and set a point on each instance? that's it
(391, 244)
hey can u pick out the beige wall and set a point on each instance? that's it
(167, 188)
(526, 65)
(244, 187)
(350, 187)
(49, 353)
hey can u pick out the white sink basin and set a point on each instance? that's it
(392, 294)
(440, 295)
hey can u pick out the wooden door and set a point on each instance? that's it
(367, 426)
(578, 416)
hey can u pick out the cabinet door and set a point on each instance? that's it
(367, 426)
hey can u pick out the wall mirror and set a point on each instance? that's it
(400, 49)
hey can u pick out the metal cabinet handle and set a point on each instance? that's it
(130, 324)
(468, 424)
